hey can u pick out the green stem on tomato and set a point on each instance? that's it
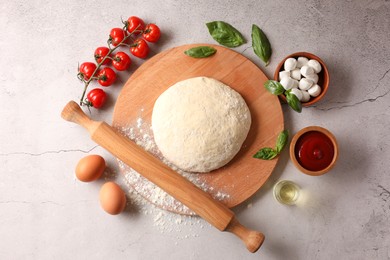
(128, 45)
(107, 57)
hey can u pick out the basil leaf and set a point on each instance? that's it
(266, 153)
(274, 87)
(200, 52)
(225, 34)
(293, 101)
(260, 44)
(281, 141)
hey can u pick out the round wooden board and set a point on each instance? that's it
(242, 176)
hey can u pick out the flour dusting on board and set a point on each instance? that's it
(182, 226)
(142, 134)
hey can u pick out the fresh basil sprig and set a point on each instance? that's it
(276, 88)
(281, 141)
(293, 101)
(260, 44)
(268, 153)
(200, 51)
(225, 34)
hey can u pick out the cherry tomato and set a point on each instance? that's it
(152, 33)
(86, 69)
(140, 48)
(100, 53)
(116, 36)
(121, 61)
(106, 76)
(135, 23)
(96, 97)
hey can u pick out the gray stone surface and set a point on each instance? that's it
(46, 214)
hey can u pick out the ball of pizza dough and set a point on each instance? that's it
(199, 124)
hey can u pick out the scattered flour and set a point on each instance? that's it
(165, 221)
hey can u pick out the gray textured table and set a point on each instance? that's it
(45, 213)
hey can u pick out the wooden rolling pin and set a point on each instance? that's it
(160, 174)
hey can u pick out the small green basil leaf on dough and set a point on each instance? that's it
(266, 153)
(281, 141)
(293, 101)
(274, 87)
(225, 34)
(260, 44)
(200, 52)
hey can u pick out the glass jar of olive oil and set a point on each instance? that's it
(286, 192)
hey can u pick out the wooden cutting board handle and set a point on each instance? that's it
(163, 176)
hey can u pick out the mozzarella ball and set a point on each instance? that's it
(314, 91)
(313, 77)
(305, 84)
(297, 93)
(295, 83)
(290, 64)
(315, 65)
(306, 70)
(284, 74)
(305, 96)
(296, 74)
(302, 61)
(287, 83)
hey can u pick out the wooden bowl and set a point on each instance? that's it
(294, 147)
(323, 76)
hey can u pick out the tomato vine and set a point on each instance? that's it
(134, 26)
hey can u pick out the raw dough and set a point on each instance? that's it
(199, 124)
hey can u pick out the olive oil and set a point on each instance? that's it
(286, 192)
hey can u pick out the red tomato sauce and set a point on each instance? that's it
(314, 151)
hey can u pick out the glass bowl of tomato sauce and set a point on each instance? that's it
(314, 150)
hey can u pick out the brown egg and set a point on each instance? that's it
(112, 198)
(90, 168)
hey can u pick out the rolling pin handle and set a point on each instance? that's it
(72, 112)
(252, 239)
